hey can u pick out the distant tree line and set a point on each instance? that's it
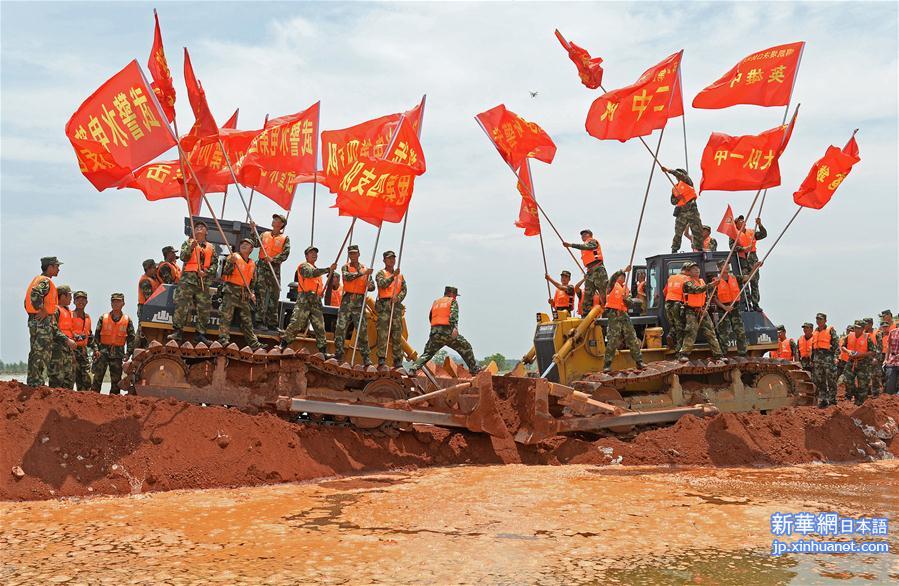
(13, 367)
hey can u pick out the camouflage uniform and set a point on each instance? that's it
(596, 280)
(146, 289)
(42, 333)
(687, 215)
(805, 362)
(82, 368)
(824, 371)
(308, 310)
(620, 329)
(441, 336)
(61, 368)
(268, 292)
(857, 374)
(236, 298)
(382, 307)
(352, 307)
(192, 296)
(877, 378)
(674, 311)
(748, 262)
(692, 325)
(730, 326)
(111, 357)
(165, 274)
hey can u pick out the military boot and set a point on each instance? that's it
(201, 337)
(175, 335)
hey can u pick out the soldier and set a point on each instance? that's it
(619, 325)
(113, 343)
(695, 291)
(804, 346)
(200, 264)
(167, 271)
(882, 342)
(356, 281)
(887, 315)
(891, 360)
(727, 299)
(274, 249)
(709, 244)
(308, 309)
(84, 337)
(843, 356)
(391, 293)
(333, 291)
(237, 283)
(824, 354)
(41, 300)
(596, 279)
(564, 296)
(674, 306)
(62, 357)
(444, 317)
(641, 291)
(786, 347)
(857, 375)
(746, 252)
(686, 212)
(145, 287)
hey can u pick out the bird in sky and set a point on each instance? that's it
(533, 94)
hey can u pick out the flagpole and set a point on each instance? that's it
(253, 189)
(314, 177)
(374, 251)
(683, 117)
(527, 163)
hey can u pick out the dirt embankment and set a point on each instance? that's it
(64, 443)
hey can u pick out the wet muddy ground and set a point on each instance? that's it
(474, 524)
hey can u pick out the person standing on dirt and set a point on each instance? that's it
(825, 345)
(727, 300)
(596, 280)
(804, 346)
(444, 317)
(686, 212)
(620, 328)
(200, 265)
(695, 292)
(391, 293)
(62, 357)
(84, 337)
(308, 309)
(786, 347)
(274, 248)
(113, 343)
(747, 254)
(356, 282)
(41, 300)
(237, 295)
(876, 359)
(857, 374)
(167, 271)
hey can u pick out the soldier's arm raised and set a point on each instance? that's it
(186, 249)
(282, 256)
(760, 231)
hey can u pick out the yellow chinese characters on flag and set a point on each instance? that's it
(515, 138)
(826, 175)
(764, 78)
(161, 180)
(118, 128)
(528, 219)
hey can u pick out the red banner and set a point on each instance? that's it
(162, 85)
(727, 226)
(515, 138)
(528, 218)
(638, 109)
(764, 79)
(118, 128)
(749, 162)
(209, 163)
(162, 180)
(588, 68)
(826, 175)
(205, 123)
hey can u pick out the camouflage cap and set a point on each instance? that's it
(587, 231)
(352, 248)
(689, 265)
(310, 249)
(807, 325)
(247, 240)
(859, 323)
(63, 289)
(167, 249)
(781, 329)
(50, 260)
(709, 228)
(388, 254)
(820, 315)
(149, 263)
(80, 294)
(119, 296)
(566, 273)
(449, 290)
(281, 217)
(888, 312)
(869, 320)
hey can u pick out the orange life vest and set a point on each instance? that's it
(81, 327)
(141, 298)
(356, 286)
(857, 344)
(336, 296)
(242, 274)
(272, 245)
(873, 336)
(641, 289)
(310, 284)
(395, 287)
(805, 346)
(696, 299)
(844, 352)
(562, 300)
(51, 299)
(176, 272)
(821, 338)
(580, 304)
(746, 239)
(729, 290)
(440, 311)
(784, 350)
(193, 263)
(589, 257)
(65, 322)
(674, 289)
(683, 193)
(114, 333)
(615, 298)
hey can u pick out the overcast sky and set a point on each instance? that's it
(365, 60)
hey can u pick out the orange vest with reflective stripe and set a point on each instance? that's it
(141, 298)
(674, 290)
(857, 344)
(193, 262)
(615, 299)
(728, 290)
(805, 346)
(310, 284)
(440, 311)
(562, 300)
(81, 327)
(65, 322)
(356, 286)
(591, 256)
(393, 288)
(176, 272)
(242, 274)
(51, 299)
(746, 239)
(821, 338)
(696, 299)
(114, 333)
(784, 350)
(684, 193)
(272, 245)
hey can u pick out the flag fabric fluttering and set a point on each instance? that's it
(826, 175)
(748, 162)
(528, 218)
(764, 78)
(118, 128)
(727, 226)
(209, 163)
(588, 68)
(515, 138)
(162, 85)
(638, 109)
(205, 123)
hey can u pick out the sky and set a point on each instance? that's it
(364, 60)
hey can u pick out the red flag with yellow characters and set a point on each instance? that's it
(162, 180)
(205, 123)
(209, 162)
(118, 128)
(826, 175)
(162, 84)
(528, 218)
(588, 68)
(638, 109)
(764, 78)
(515, 138)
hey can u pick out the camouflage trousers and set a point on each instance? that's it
(692, 328)
(595, 281)
(191, 298)
(806, 364)
(82, 369)
(110, 357)
(877, 376)
(753, 288)
(687, 216)
(307, 311)
(857, 378)
(352, 306)
(267, 296)
(382, 306)
(620, 329)
(41, 333)
(824, 375)
(236, 299)
(441, 336)
(62, 366)
(730, 327)
(674, 311)
(140, 341)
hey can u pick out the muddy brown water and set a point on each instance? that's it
(459, 525)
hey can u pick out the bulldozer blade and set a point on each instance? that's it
(486, 417)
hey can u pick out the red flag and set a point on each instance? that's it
(638, 109)
(205, 123)
(528, 219)
(162, 180)
(118, 128)
(826, 175)
(162, 84)
(515, 138)
(231, 123)
(750, 162)
(764, 79)
(727, 226)
(210, 164)
(589, 68)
